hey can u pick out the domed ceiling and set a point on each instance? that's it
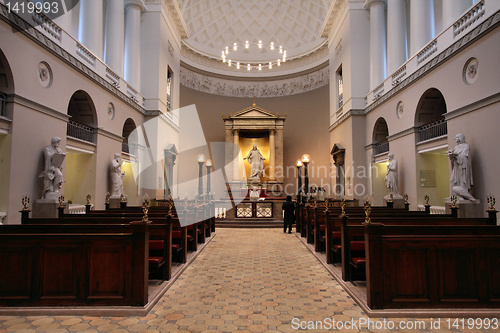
(296, 25)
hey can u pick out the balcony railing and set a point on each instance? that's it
(432, 130)
(80, 131)
(380, 147)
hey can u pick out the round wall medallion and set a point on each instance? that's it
(45, 75)
(400, 108)
(470, 71)
(111, 111)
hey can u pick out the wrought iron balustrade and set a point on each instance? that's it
(80, 131)
(381, 147)
(432, 130)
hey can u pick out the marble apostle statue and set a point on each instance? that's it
(256, 161)
(461, 171)
(391, 179)
(52, 172)
(116, 176)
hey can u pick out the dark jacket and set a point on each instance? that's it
(289, 208)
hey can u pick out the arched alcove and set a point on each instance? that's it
(379, 137)
(83, 115)
(128, 127)
(429, 115)
(6, 84)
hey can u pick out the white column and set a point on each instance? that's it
(132, 72)
(90, 25)
(453, 9)
(114, 36)
(421, 24)
(272, 155)
(236, 160)
(377, 42)
(396, 35)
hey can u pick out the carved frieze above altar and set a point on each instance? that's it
(272, 88)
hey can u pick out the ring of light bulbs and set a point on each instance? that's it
(254, 65)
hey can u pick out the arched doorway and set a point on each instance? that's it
(83, 115)
(80, 170)
(432, 169)
(429, 116)
(6, 90)
(128, 127)
(129, 153)
(380, 149)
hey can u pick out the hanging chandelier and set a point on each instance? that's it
(277, 59)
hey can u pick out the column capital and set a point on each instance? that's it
(138, 3)
(272, 131)
(369, 3)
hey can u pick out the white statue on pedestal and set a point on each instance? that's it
(256, 161)
(391, 179)
(461, 170)
(116, 176)
(52, 172)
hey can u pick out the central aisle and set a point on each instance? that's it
(255, 280)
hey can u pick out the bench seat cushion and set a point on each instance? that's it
(359, 261)
(155, 260)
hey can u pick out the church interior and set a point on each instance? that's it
(139, 136)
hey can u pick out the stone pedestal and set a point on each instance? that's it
(466, 208)
(397, 201)
(114, 202)
(45, 208)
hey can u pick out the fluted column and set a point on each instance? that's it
(132, 73)
(421, 24)
(90, 32)
(378, 44)
(453, 9)
(272, 155)
(114, 35)
(236, 161)
(396, 35)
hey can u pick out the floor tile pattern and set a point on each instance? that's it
(246, 280)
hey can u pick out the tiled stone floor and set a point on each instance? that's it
(248, 280)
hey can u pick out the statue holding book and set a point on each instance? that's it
(52, 173)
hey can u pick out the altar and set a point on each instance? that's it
(255, 132)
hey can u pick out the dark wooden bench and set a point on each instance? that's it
(453, 266)
(74, 265)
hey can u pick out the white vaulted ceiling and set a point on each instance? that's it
(214, 24)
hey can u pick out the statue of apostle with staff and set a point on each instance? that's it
(256, 161)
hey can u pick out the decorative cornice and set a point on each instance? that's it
(480, 31)
(28, 30)
(336, 8)
(20, 100)
(344, 117)
(401, 134)
(175, 15)
(260, 89)
(473, 107)
(108, 134)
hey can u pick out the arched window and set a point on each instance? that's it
(83, 115)
(429, 117)
(379, 140)
(6, 84)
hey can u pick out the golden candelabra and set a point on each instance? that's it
(145, 207)
(61, 201)
(25, 201)
(108, 196)
(89, 197)
(426, 199)
(454, 201)
(406, 199)
(491, 202)
(368, 210)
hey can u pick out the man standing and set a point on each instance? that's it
(289, 217)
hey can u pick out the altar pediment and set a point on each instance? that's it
(255, 118)
(254, 112)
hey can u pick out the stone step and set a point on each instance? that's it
(249, 223)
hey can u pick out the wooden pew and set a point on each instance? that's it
(74, 265)
(432, 266)
(352, 230)
(160, 229)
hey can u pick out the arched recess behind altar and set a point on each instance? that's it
(256, 126)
